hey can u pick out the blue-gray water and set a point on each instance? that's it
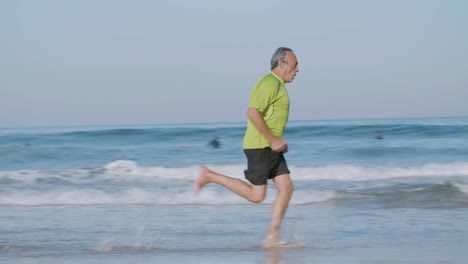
(120, 194)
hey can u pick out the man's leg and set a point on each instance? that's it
(253, 193)
(285, 189)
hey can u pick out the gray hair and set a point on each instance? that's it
(279, 55)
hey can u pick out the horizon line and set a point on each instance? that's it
(225, 122)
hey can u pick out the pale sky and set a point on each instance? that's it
(108, 62)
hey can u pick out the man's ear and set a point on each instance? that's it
(281, 64)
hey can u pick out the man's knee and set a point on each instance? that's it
(285, 188)
(258, 195)
(257, 199)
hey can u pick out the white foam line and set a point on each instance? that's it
(131, 172)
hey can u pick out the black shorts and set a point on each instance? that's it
(264, 164)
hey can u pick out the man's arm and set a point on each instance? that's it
(277, 144)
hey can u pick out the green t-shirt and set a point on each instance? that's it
(271, 99)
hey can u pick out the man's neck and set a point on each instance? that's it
(277, 73)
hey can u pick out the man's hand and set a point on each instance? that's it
(279, 145)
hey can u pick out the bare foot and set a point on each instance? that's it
(274, 242)
(201, 181)
(270, 241)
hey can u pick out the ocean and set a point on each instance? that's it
(123, 194)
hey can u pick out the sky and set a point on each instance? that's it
(113, 62)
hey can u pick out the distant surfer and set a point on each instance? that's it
(214, 143)
(378, 135)
(264, 144)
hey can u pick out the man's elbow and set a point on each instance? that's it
(251, 112)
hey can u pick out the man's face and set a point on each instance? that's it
(291, 68)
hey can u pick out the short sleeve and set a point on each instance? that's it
(264, 94)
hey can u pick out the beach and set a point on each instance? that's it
(203, 234)
(123, 194)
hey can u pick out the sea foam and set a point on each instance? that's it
(125, 171)
(125, 182)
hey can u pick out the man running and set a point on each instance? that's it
(264, 144)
